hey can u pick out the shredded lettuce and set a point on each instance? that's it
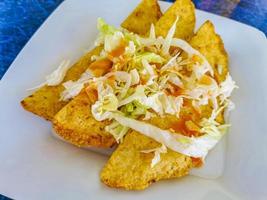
(130, 49)
(152, 33)
(56, 77)
(226, 87)
(195, 147)
(190, 146)
(105, 28)
(107, 101)
(117, 130)
(171, 105)
(150, 57)
(204, 67)
(135, 78)
(174, 79)
(113, 41)
(73, 88)
(126, 80)
(172, 62)
(157, 152)
(168, 40)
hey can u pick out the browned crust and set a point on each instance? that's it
(83, 139)
(45, 102)
(130, 169)
(185, 11)
(211, 45)
(146, 13)
(76, 124)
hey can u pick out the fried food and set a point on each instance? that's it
(211, 46)
(45, 102)
(146, 13)
(75, 128)
(154, 121)
(184, 10)
(187, 17)
(128, 167)
(75, 124)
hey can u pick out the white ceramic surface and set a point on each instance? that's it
(34, 165)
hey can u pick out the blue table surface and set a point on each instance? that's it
(19, 19)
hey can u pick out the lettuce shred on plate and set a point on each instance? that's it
(138, 78)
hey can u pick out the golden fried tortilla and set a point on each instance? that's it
(185, 11)
(130, 169)
(45, 101)
(211, 46)
(75, 124)
(140, 20)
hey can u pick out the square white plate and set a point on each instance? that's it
(34, 165)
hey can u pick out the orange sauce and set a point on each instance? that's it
(197, 162)
(187, 123)
(118, 51)
(176, 91)
(196, 113)
(101, 67)
(91, 91)
(181, 127)
(111, 81)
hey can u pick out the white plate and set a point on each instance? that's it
(34, 165)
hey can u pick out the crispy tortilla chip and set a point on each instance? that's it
(75, 124)
(129, 168)
(211, 46)
(45, 101)
(146, 13)
(185, 11)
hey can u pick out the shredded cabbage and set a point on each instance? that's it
(157, 152)
(168, 40)
(57, 76)
(227, 87)
(152, 33)
(73, 88)
(117, 130)
(107, 101)
(149, 57)
(113, 41)
(130, 49)
(104, 29)
(190, 146)
(135, 78)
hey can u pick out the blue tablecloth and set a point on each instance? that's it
(19, 19)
